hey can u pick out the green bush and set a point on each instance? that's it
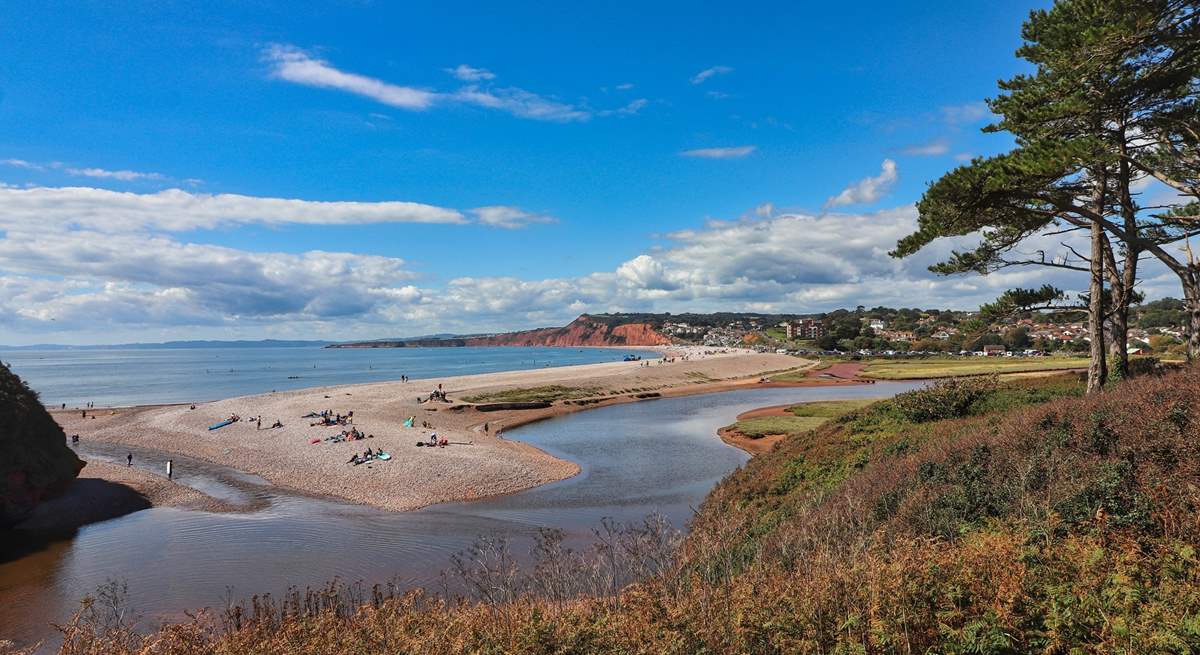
(943, 399)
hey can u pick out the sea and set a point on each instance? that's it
(123, 377)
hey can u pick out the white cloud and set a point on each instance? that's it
(124, 176)
(735, 152)
(94, 172)
(631, 108)
(21, 163)
(178, 210)
(295, 65)
(521, 103)
(964, 157)
(510, 218)
(971, 112)
(469, 74)
(624, 87)
(717, 95)
(867, 190)
(705, 74)
(85, 281)
(934, 148)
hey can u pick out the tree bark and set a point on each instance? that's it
(1191, 304)
(1123, 292)
(1097, 368)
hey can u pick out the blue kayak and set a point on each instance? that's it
(222, 424)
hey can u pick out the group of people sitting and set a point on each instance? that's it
(353, 434)
(327, 417)
(434, 441)
(368, 456)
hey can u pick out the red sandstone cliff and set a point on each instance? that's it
(583, 331)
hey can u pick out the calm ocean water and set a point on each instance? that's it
(176, 375)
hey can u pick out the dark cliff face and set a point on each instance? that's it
(35, 462)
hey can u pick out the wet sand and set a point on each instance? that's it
(476, 464)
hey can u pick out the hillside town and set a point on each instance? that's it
(1155, 328)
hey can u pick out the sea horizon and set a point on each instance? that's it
(125, 377)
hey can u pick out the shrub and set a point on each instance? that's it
(944, 399)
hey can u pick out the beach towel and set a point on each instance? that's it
(408, 422)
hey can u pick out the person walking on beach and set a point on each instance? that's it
(129, 459)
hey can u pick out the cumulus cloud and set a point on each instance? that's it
(699, 78)
(735, 152)
(624, 87)
(86, 280)
(867, 190)
(470, 74)
(179, 210)
(298, 66)
(510, 218)
(933, 148)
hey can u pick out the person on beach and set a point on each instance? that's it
(485, 428)
(129, 459)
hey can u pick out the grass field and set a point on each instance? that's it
(548, 393)
(909, 369)
(803, 418)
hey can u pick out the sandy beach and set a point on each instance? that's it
(475, 464)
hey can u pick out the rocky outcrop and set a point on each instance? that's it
(583, 331)
(35, 462)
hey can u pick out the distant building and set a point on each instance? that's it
(805, 328)
(877, 324)
(994, 350)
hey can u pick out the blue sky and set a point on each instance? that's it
(213, 170)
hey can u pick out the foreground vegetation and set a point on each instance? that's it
(976, 516)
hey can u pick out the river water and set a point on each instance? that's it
(660, 456)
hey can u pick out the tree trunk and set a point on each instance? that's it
(1191, 301)
(1097, 367)
(1123, 289)
(1097, 370)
